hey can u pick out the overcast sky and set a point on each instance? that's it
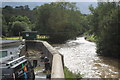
(83, 6)
(56, 0)
(48, 0)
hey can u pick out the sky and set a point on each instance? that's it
(48, 0)
(56, 0)
(82, 6)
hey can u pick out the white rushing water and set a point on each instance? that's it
(80, 57)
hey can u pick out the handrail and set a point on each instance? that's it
(15, 60)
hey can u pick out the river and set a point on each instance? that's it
(80, 57)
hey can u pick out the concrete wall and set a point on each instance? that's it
(56, 59)
(57, 67)
(22, 50)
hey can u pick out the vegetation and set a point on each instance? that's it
(90, 38)
(15, 20)
(70, 76)
(62, 21)
(104, 25)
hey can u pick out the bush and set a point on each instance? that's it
(18, 27)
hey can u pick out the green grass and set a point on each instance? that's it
(91, 38)
(69, 75)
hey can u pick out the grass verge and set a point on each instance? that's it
(70, 76)
(90, 38)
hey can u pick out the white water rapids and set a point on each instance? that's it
(80, 57)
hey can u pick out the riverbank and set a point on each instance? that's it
(69, 75)
(90, 38)
(80, 57)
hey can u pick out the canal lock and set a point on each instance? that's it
(37, 59)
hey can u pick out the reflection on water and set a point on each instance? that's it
(80, 57)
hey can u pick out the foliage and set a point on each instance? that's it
(91, 38)
(4, 27)
(62, 21)
(11, 21)
(18, 27)
(19, 13)
(20, 18)
(9, 11)
(104, 25)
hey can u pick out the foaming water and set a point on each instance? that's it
(80, 57)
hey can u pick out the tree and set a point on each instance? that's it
(60, 20)
(19, 13)
(4, 27)
(104, 22)
(8, 8)
(22, 19)
(18, 27)
(9, 11)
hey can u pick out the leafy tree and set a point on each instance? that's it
(104, 24)
(60, 20)
(8, 8)
(4, 27)
(19, 13)
(18, 27)
(9, 11)
(20, 18)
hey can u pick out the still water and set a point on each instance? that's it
(80, 57)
